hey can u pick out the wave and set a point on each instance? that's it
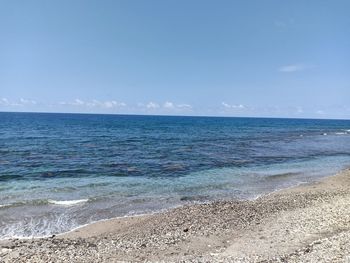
(341, 133)
(39, 202)
(14, 204)
(68, 202)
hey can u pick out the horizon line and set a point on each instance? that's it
(167, 115)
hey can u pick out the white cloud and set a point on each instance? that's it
(293, 68)
(226, 105)
(177, 107)
(24, 101)
(95, 104)
(169, 105)
(152, 105)
(184, 106)
(299, 110)
(91, 104)
(110, 104)
(4, 101)
(233, 106)
(78, 102)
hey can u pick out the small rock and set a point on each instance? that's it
(6, 250)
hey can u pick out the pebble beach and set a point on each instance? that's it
(307, 223)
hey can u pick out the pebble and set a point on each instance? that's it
(170, 230)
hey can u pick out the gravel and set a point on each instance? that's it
(304, 224)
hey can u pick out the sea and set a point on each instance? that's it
(62, 171)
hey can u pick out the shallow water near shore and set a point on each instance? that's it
(60, 171)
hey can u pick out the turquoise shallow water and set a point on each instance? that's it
(60, 171)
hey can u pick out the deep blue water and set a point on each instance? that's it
(114, 165)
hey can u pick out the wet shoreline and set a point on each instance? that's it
(278, 226)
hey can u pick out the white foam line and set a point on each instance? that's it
(67, 202)
(163, 210)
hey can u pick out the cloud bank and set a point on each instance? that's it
(112, 104)
(173, 108)
(166, 107)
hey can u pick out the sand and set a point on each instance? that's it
(307, 223)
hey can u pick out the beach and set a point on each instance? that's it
(307, 223)
(174, 131)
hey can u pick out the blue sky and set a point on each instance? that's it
(183, 57)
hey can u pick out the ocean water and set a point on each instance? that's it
(61, 171)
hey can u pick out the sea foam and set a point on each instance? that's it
(67, 202)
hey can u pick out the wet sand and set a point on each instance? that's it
(308, 223)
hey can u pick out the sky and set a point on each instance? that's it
(268, 58)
